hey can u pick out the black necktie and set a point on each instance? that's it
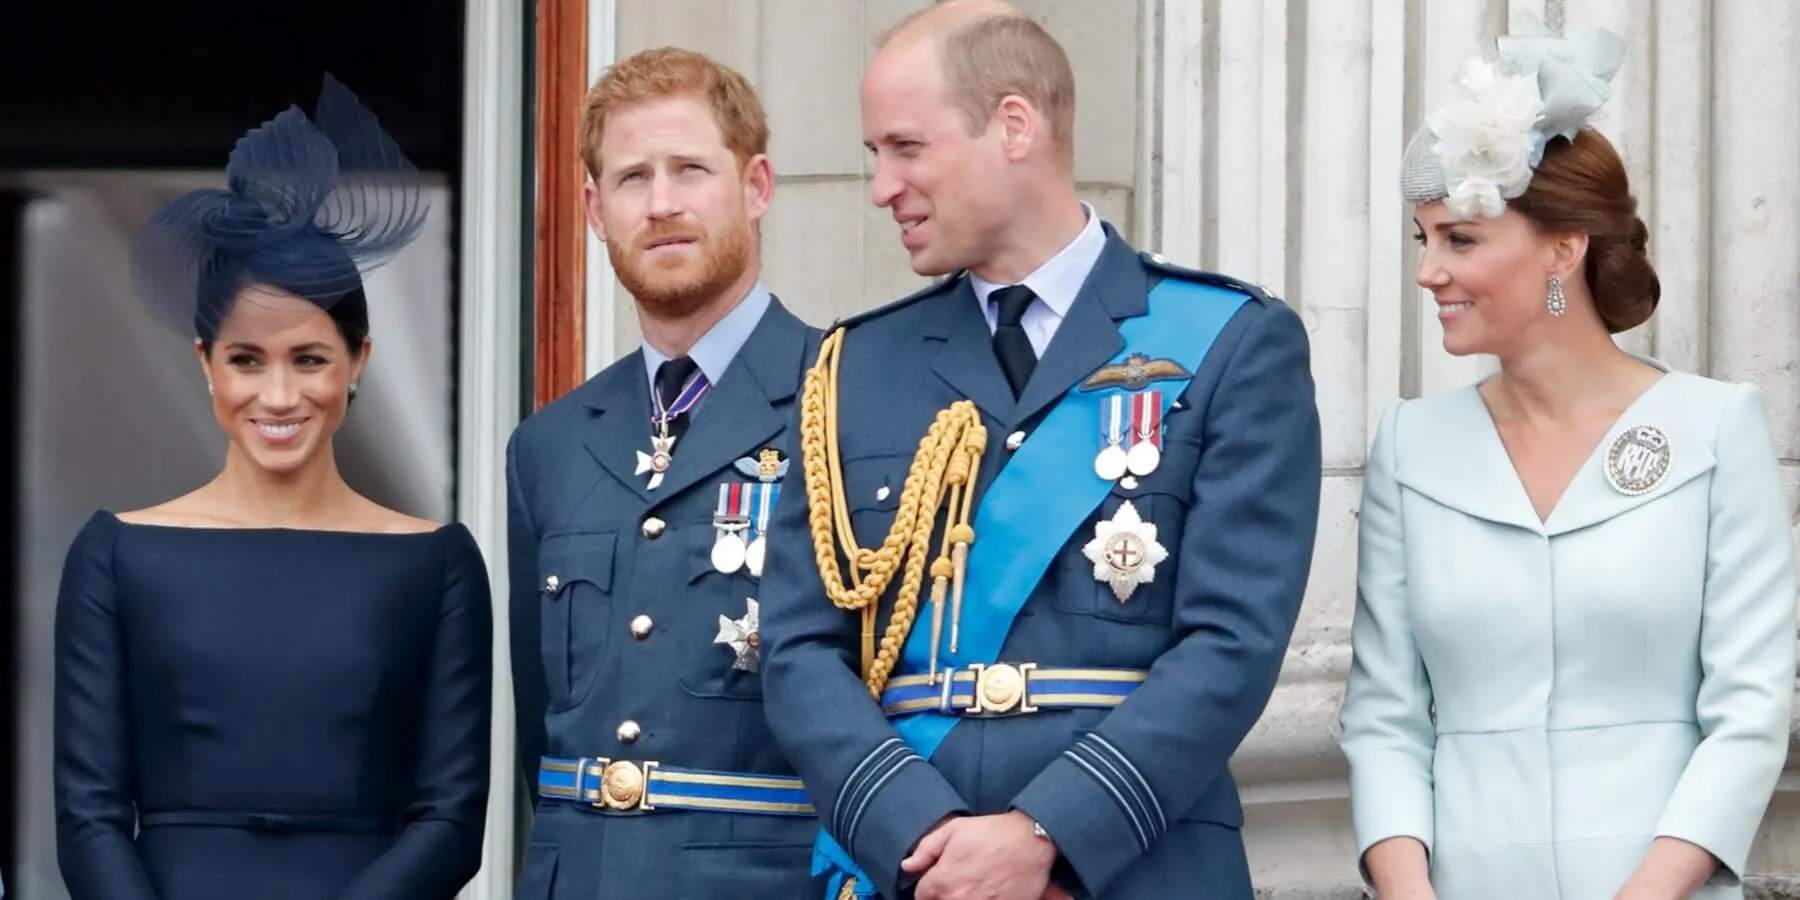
(671, 376)
(1017, 359)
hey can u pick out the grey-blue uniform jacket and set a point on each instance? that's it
(616, 613)
(1137, 797)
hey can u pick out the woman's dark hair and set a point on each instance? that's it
(1581, 186)
(226, 276)
(350, 313)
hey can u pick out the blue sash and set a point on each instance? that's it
(1032, 508)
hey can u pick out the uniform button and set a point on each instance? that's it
(1015, 440)
(653, 528)
(629, 731)
(551, 583)
(881, 493)
(640, 627)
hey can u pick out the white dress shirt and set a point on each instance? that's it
(1055, 283)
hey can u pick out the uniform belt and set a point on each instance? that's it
(1008, 689)
(638, 786)
(276, 822)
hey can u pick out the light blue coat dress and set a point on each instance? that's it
(1537, 701)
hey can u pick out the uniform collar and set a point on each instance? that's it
(1058, 280)
(715, 349)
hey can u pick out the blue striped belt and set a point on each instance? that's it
(639, 786)
(1008, 689)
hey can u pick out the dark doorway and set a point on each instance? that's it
(171, 86)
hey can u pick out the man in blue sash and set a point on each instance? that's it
(1058, 517)
(637, 509)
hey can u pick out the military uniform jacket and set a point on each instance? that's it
(1138, 798)
(616, 607)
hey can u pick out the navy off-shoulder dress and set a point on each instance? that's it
(271, 713)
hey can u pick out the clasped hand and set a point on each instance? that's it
(993, 857)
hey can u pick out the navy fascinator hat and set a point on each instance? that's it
(310, 206)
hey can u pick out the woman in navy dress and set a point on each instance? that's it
(272, 687)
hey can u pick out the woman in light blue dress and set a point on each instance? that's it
(1574, 637)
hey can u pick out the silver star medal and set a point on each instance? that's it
(1124, 552)
(741, 636)
(656, 462)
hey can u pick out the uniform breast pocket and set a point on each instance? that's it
(872, 488)
(1121, 564)
(722, 636)
(577, 601)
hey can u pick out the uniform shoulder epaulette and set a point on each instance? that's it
(1155, 262)
(930, 290)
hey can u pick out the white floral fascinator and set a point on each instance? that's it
(1479, 150)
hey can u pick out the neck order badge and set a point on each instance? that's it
(662, 443)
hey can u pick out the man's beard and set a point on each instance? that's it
(671, 289)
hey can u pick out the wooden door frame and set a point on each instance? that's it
(559, 262)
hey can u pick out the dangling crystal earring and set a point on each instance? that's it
(209, 389)
(352, 388)
(1558, 304)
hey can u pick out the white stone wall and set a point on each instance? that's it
(828, 251)
(1263, 139)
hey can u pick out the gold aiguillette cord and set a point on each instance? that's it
(943, 469)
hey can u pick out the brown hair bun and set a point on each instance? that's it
(1580, 185)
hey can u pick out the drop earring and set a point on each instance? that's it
(209, 389)
(1557, 302)
(352, 388)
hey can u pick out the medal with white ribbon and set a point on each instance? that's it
(662, 444)
(1111, 464)
(730, 518)
(762, 500)
(1146, 433)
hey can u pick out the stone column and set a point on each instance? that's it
(1753, 321)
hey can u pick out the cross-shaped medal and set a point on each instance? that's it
(662, 443)
(656, 462)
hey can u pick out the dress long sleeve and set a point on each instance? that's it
(439, 848)
(1388, 735)
(96, 814)
(1746, 647)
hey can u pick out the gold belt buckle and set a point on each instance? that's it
(1001, 689)
(625, 786)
